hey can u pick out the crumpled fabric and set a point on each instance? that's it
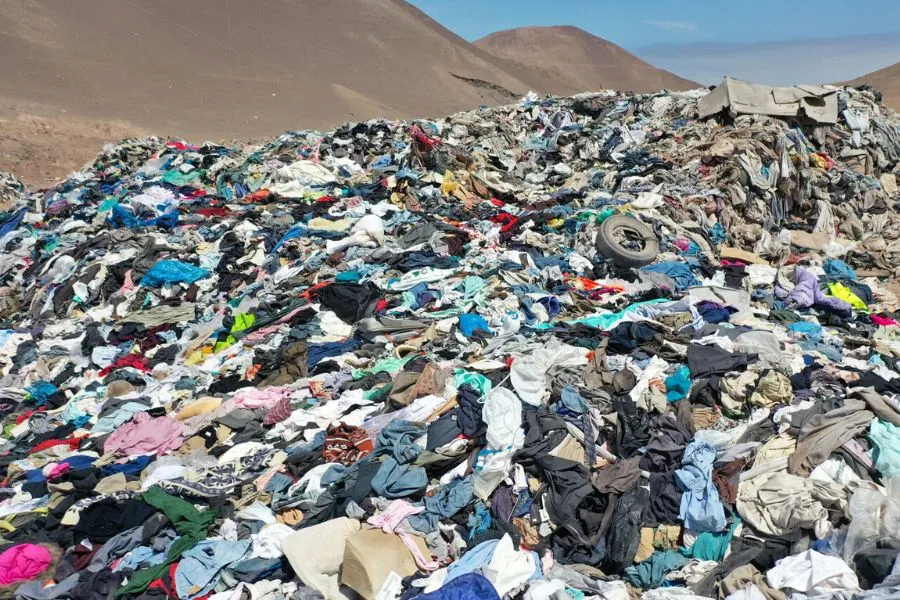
(145, 434)
(812, 573)
(651, 572)
(502, 412)
(885, 438)
(528, 373)
(806, 293)
(199, 567)
(777, 504)
(23, 562)
(701, 509)
(465, 587)
(772, 389)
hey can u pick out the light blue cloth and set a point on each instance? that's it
(678, 271)
(141, 557)
(446, 502)
(114, 420)
(473, 560)
(398, 438)
(394, 480)
(572, 400)
(71, 413)
(811, 330)
(701, 508)
(198, 572)
(606, 320)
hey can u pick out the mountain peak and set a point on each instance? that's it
(573, 60)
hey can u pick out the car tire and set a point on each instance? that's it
(618, 228)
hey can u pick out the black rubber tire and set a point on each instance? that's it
(621, 256)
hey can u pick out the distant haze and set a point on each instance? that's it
(778, 63)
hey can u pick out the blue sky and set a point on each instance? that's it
(771, 41)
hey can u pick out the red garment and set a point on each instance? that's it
(70, 442)
(217, 211)
(181, 146)
(425, 141)
(27, 415)
(166, 583)
(129, 360)
(830, 163)
(505, 220)
(258, 196)
(883, 321)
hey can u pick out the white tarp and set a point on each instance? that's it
(817, 103)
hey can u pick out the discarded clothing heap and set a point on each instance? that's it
(591, 347)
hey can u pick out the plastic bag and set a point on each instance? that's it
(874, 515)
(172, 271)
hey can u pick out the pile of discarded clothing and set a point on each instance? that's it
(605, 347)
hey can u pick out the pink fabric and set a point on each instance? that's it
(58, 470)
(390, 519)
(266, 397)
(23, 562)
(682, 244)
(128, 286)
(883, 321)
(146, 435)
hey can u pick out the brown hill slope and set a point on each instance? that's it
(239, 67)
(97, 70)
(572, 60)
(887, 80)
(211, 69)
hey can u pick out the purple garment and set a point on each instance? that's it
(144, 434)
(807, 293)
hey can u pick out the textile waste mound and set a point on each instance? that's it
(591, 347)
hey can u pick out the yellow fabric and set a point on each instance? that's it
(198, 357)
(198, 407)
(449, 185)
(839, 290)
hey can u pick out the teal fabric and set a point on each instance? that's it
(712, 545)
(885, 438)
(678, 385)
(652, 572)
